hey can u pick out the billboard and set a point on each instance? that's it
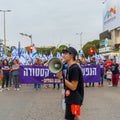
(111, 15)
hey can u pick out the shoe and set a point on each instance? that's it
(18, 89)
(15, 88)
(2, 89)
(102, 85)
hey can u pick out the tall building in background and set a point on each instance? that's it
(110, 37)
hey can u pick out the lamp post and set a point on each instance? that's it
(30, 36)
(4, 11)
(80, 34)
(104, 1)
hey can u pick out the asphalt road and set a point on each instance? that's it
(46, 104)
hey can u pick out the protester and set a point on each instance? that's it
(101, 64)
(10, 73)
(37, 62)
(92, 62)
(59, 74)
(74, 85)
(107, 65)
(15, 73)
(109, 77)
(1, 77)
(83, 62)
(6, 69)
(115, 73)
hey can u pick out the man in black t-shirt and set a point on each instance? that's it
(74, 85)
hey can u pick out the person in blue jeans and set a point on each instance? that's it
(101, 64)
(38, 62)
(15, 72)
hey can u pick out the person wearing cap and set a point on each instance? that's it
(74, 85)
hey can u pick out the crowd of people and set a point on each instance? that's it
(9, 72)
(109, 71)
(73, 79)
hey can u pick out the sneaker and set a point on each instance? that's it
(15, 88)
(18, 89)
(2, 89)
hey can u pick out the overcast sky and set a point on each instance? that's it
(51, 22)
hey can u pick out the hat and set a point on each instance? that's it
(70, 50)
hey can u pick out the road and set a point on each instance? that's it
(45, 104)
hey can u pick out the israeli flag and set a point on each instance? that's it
(81, 53)
(88, 59)
(23, 60)
(14, 54)
(44, 57)
(58, 55)
(50, 56)
(34, 52)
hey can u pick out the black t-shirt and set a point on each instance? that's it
(75, 97)
(114, 68)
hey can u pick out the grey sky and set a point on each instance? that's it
(51, 22)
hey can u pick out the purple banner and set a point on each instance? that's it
(91, 73)
(42, 75)
(36, 74)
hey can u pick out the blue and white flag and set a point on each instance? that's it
(50, 56)
(22, 60)
(58, 55)
(34, 52)
(81, 53)
(19, 49)
(88, 59)
(14, 54)
(44, 57)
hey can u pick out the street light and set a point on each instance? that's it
(4, 11)
(104, 1)
(30, 36)
(80, 34)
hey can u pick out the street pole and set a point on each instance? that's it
(30, 36)
(80, 35)
(4, 34)
(4, 11)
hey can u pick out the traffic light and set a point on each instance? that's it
(31, 48)
(92, 51)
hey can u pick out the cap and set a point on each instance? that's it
(70, 50)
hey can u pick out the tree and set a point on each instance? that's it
(92, 44)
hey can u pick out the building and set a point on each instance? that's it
(110, 37)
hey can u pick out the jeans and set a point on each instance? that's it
(37, 86)
(16, 81)
(5, 80)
